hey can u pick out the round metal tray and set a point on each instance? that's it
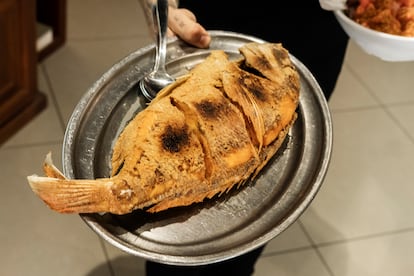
(220, 228)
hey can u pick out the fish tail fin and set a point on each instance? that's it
(72, 196)
(81, 195)
(50, 169)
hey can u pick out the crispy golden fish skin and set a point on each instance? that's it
(211, 130)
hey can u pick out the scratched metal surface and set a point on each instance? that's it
(217, 229)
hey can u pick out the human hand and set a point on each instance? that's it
(183, 23)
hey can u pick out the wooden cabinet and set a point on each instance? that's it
(52, 13)
(20, 100)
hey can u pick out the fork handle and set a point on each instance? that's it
(160, 15)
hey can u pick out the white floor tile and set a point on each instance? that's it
(390, 82)
(292, 238)
(78, 65)
(34, 239)
(366, 189)
(103, 19)
(376, 256)
(349, 93)
(123, 263)
(299, 263)
(404, 114)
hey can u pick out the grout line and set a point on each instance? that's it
(383, 105)
(398, 124)
(53, 97)
(407, 103)
(337, 242)
(363, 84)
(369, 90)
(108, 262)
(367, 237)
(320, 256)
(370, 107)
(291, 250)
(31, 145)
(324, 262)
(353, 109)
(106, 38)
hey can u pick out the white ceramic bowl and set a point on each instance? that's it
(385, 46)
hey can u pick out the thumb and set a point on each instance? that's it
(183, 23)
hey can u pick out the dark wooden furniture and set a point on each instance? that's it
(20, 99)
(52, 13)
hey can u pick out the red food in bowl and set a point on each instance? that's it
(388, 16)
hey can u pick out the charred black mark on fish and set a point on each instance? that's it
(263, 63)
(292, 83)
(210, 109)
(254, 86)
(257, 91)
(280, 55)
(174, 139)
(117, 170)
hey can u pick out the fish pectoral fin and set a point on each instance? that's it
(73, 196)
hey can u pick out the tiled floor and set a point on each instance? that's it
(360, 223)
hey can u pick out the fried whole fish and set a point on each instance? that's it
(209, 131)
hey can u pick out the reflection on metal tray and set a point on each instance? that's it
(217, 229)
